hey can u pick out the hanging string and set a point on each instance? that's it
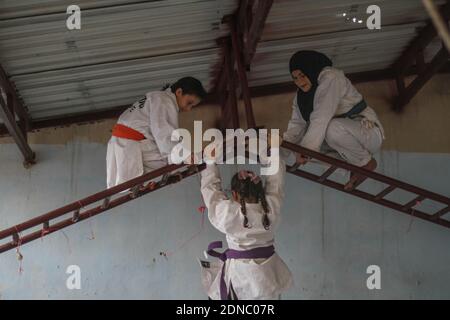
(184, 243)
(201, 209)
(44, 232)
(19, 254)
(92, 237)
(413, 216)
(68, 241)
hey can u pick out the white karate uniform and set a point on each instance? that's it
(250, 278)
(155, 116)
(354, 139)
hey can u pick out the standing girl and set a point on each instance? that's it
(250, 268)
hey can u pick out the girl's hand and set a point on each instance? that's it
(210, 156)
(368, 124)
(191, 159)
(301, 159)
(269, 140)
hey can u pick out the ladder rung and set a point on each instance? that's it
(164, 180)
(385, 192)
(441, 212)
(105, 203)
(359, 182)
(76, 215)
(294, 167)
(15, 237)
(413, 202)
(45, 228)
(190, 170)
(327, 173)
(135, 191)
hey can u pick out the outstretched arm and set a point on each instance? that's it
(275, 188)
(218, 204)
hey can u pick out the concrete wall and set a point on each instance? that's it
(327, 238)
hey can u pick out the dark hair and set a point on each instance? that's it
(189, 85)
(246, 188)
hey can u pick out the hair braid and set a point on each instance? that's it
(244, 213)
(246, 188)
(262, 198)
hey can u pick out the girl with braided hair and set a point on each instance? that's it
(250, 268)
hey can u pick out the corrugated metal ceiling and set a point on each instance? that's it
(319, 25)
(126, 48)
(10, 9)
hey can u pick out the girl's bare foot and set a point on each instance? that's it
(356, 179)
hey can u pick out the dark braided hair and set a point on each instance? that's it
(249, 188)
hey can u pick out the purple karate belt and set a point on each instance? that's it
(257, 253)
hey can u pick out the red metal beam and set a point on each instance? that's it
(423, 39)
(358, 77)
(231, 114)
(408, 57)
(244, 16)
(414, 54)
(408, 208)
(8, 116)
(75, 207)
(250, 18)
(406, 94)
(259, 17)
(371, 198)
(246, 27)
(105, 200)
(105, 196)
(10, 107)
(14, 101)
(85, 117)
(66, 120)
(243, 82)
(220, 76)
(213, 98)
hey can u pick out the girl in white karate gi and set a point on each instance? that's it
(250, 268)
(141, 139)
(328, 108)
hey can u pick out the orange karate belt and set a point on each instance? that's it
(122, 131)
